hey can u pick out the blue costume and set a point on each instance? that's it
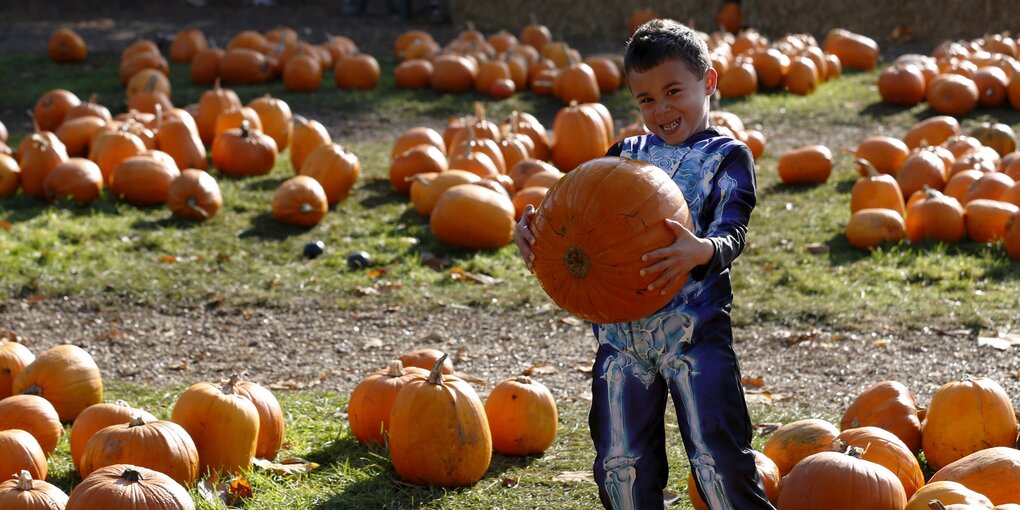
(685, 348)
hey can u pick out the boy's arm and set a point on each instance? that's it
(729, 205)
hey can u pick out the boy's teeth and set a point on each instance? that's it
(671, 125)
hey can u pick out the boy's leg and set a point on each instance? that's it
(626, 422)
(704, 380)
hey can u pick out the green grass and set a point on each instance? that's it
(355, 476)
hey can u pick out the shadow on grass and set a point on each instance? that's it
(167, 222)
(379, 193)
(386, 489)
(782, 187)
(265, 226)
(262, 184)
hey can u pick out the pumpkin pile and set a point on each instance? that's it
(967, 434)
(214, 427)
(501, 64)
(957, 77)
(938, 184)
(437, 429)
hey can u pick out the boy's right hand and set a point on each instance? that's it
(524, 237)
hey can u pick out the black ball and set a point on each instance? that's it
(358, 260)
(314, 249)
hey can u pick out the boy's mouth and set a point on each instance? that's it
(670, 126)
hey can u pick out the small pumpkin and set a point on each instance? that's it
(127, 486)
(416, 160)
(205, 66)
(806, 165)
(34, 415)
(336, 169)
(522, 416)
(368, 410)
(276, 119)
(740, 80)
(14, 357)
(66, 46)
(581, 136)
(415, 136)
(885, 152)
(183, 144)
(869, 228)
(194, 195)
(439, 438)
(66, 376)
(425, 201)
(876, 190)
(302, 73)
(922, 169)
(802, 77)
(110, 148)
(19, 451)
(78, 179)
(10, 177)
(41, 157)
(300, 201)
(77, 133)
(453, 73)
(360, 71)
(211, 104)
(306, 136)
(952, 94)
(223, 424)
(97, 417)
(935, 217)
(855, 51)
(232, 119)
(144, 179)
(413, 74)
(245, 66)
(186, 44)
(932, 131)
(888, 405)
(885, 449)
(272, 427)
(901, 85)
(991, 83)
(796, 440)
(161, 445)
(528, 196)
(244, 152)
(986, 219)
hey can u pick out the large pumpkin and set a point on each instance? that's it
(439, 435)
(522, 416)
(592, 229)
(19, 451)
(964, 417)
(161, 445)
(14, 357)
(993, 472)
(34, 415)
(144, 179)
(223, 424)
(66, 376)
(839, 481)
(271, 425)
(796, 440)
(127, 486)
(935, 217)
(97, 417)
(946, 492)
(368, 410)
(472, 216)
(887, 405)
(986, 219)
(885, 449)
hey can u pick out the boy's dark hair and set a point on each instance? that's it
(660, 40)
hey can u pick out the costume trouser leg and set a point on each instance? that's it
(626, 420)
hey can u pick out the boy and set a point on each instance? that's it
(686, 347)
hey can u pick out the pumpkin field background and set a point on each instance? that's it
(161, 303)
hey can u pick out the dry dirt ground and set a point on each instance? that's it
(315, 346)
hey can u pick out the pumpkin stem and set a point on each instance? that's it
(216, 85)
(577, 262)
(24, 480)
(396, 368)
(193, 205)
(33, 390)
(306, 208)
(479, 111)
(228, 387)
(436, 375)
(935, 504)
(132, 475)
(35, 122)
(245, 129)
(136, 420)
(854, 451)
(868, 167)
(159, 116)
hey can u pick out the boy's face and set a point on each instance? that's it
(672, 100)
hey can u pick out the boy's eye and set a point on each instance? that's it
(673, 91)
(645, 100)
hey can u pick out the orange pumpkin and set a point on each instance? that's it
(110, 148)
(964, 417)
(275, 116)
(935, 217)
(887, 405)
(991, 83)
(232, 119)
(739, 80)
(768, 473)
(416, 160)
(66, 46)
(77, 133)
(922, 169)
(413, 74)
(194, 195)
(205, 66)
(14, 357)
(855, 51)
(948, 493)
(489, 72)
(128, 486)
(802, 76)
(335, 168)
(302, 73)
(34, 415)
(885, 449)
(272, 427)
(89, 108)
(960, 182)
(10, 179)
(796, 440)
(770, 65)
(901, 85)
(885, 152)
(186, 44)
(876, 190)
(245, 66)
(161, 445)
(360, 71)
(78, 179)
(473, 217)
(417, 136)
(806, 165)
(426, 358)
(211, 104)
(66, 376)
(823, 478)
(453, 73)
(869, 228)
(19, 451)
(244, 152)
(581, 136)
(223, 424)
(986, 219)
(952, 94)
(177, 139)
(37, 161)
(439, 435)
(144, 179)
(522, 416)
(97, 417)
(993, 471)
(300, 201)
(535, 35)
(368, 410)
(528, 196)
(425, 201)
(306, 136)
(932, 131)
(579, 257)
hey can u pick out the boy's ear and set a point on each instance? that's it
(711, 81)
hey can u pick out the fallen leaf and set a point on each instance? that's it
(214, 493)
(817, 248)
(669, 497)
(434, 262)
(372, 343)
(5, 224)
(462, 275)
(35, 299)
(377, 272)
(462, 354)
(169, 259)
(882, 342)
(575, 476)
(1001, 344)
(470, 378)
(585, 369)
(326, 374)
(752, 382)
(286, 467)
(368, 291)
(539, 368)
(764, 429)
(510, 482)
(573, 321)
(293, 384)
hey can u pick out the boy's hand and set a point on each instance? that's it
(523, 236)
(687, 252)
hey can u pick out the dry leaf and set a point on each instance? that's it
(213, 492)
(510, 482)
(573, 321)
(239, 488)
(293, 384)
(368, 291)
(817, 248)
(286, 467)
(434, 262)
(575, 476)
(1001, 344)
(764, 429)
(539, 368)
(372, 343)
(5, 224)
(326, 374)
(585, 369)
(377, 273)
(462, 275)
(169, 259)
(669, 497)
(882, 342)
(462, 354)
(752, 382)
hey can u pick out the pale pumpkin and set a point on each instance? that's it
(964, 417)
(522, 416)
(19, 451)
(34, 415)
(223, 424)
(66, 376)
(97, 417)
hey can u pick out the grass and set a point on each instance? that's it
(355, 476)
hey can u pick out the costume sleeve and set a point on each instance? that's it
(728, 206)
(615, 150)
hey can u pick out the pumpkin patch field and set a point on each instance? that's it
(299, 222)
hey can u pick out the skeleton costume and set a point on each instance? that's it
(685, 348)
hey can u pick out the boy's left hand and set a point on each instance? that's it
(679, 258)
